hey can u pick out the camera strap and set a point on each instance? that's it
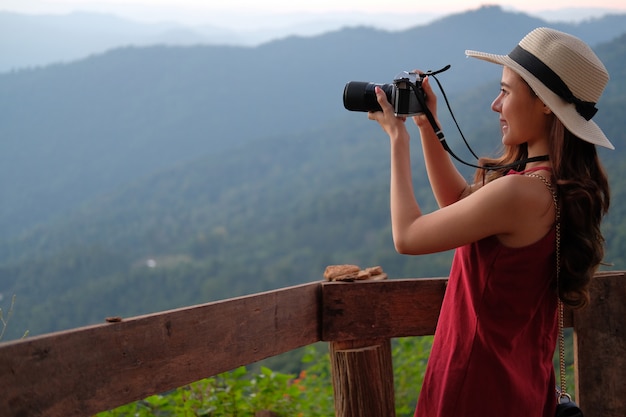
(431, 119)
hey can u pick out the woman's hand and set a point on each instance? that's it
(431, 101)
(392, 125)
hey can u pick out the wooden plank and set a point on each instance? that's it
(384, 309)
(600, 348)
(91, 369)
(381, 309)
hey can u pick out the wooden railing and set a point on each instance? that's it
(87, 370)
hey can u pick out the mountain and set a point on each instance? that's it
(31, 40)
(38, 40)
(28, 41)
(130, 112)
(151, 178)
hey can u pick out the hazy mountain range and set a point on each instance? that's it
(34, 40)
(148, 178)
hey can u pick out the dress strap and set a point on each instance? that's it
(526, 171)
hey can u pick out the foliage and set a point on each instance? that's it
(310, 393)
(410, 356)
(239, 393)
(242, 393)
(228, 394)
(6, 317)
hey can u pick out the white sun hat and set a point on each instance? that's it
(564, 73)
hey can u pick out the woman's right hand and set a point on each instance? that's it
(431, 101)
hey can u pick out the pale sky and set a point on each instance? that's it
(242, 12)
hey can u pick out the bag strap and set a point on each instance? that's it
(562, 392)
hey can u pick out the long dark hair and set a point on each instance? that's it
(584, 197)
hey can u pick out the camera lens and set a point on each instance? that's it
(361, 96)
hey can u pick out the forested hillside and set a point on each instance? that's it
(145, 179)
(74, 131)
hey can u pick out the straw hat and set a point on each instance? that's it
(564, 73)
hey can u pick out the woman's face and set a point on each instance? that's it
(523, 116)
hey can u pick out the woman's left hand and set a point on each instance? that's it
(387, 119)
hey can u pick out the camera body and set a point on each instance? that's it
(404, 94)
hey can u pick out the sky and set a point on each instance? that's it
(265, 13)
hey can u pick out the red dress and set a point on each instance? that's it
(495, 339)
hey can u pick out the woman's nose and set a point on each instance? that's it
(495, 105)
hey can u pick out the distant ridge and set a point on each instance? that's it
(39, 40)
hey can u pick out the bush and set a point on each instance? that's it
(310, 393)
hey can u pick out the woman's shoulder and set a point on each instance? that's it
(527, 203)
(522, 185)
(521, 195)
(508, 186)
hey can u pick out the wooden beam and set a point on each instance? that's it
(384, 309)
(600, 348)
(380, 309)
(91, 369)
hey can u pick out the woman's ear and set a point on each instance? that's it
(546, 109)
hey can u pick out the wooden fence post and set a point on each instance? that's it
(362, 370)
(362, 378)
(600, 348)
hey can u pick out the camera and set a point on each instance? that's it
(405, 95)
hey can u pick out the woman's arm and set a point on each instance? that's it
(447, 183)
(513, 208)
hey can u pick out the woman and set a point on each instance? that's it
(496, 335)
